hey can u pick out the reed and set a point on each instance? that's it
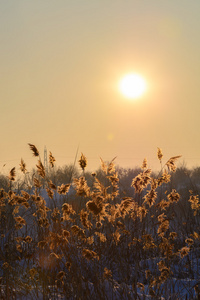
(140, 245)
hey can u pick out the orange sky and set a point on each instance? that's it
(61, 62)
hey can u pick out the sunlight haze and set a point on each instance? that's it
(132, 86)
(61, 62)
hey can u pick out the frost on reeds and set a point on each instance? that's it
(90, 238)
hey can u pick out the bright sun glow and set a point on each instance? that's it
(132, 86)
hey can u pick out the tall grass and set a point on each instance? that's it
(111, 245)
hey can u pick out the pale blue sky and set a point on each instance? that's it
(60, 64)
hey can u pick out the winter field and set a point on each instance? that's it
(113, 234)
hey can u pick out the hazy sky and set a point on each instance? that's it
(60, 64)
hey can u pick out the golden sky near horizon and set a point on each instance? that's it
(60, 66)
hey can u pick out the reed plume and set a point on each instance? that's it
(41, 169)
(34, 149)
(12, 174)
(83, 162)
(171, 163)
(159, 154)
(51, 159)
(23, 166)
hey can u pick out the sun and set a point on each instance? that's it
(132, 86)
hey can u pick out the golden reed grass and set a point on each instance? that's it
(137, 243)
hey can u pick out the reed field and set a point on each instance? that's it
(112, 234)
